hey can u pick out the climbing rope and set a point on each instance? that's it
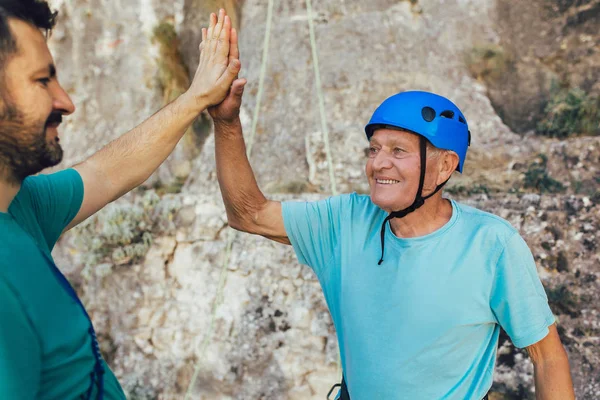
(232, 233)
(315, 56)
(250, 142)
(313, 46)
(261, 78)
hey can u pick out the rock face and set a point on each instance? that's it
(176, 296)
(544, 44)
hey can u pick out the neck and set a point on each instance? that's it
(428, 218)
(8, 191)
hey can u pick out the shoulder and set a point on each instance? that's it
(486, 223)
(363, 203)
(47, 182)
(40, 186)
(341, 209)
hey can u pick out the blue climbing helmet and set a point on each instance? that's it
(431, 117)
(427, 114)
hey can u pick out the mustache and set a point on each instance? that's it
(54, 118)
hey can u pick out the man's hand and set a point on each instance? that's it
(218, 67)
(229, 110)
(129, 160)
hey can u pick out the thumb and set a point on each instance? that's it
(230, 73)
(237, 87)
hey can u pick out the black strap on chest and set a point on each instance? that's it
(97, 376)
(344, 395)
(419, 199)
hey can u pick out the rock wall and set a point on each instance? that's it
(176, 295)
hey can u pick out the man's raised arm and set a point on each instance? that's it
(247, 208)
(129, 160)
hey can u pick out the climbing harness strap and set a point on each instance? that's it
(97, 376)
(344, 395)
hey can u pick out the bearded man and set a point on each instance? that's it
(48, 347)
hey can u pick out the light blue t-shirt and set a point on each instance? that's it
(424, 324)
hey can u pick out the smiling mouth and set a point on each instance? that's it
(386, 181)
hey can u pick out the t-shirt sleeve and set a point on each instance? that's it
(518, 298)
(313, 229)
(56, 199)
(20, 352)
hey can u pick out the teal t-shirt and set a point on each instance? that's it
(424, 324)
(45, 347)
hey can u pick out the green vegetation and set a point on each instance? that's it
(487, 62)
(122, 232)
(172, 71)
(536, 177)
(294, 187)
(562, 301)
(174, 79)
(569, 112)
(460, 190)
(172, 187)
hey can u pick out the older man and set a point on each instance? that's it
(417, 304)
(48, 348)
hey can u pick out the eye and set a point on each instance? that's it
(398, 150)
(373, 151)
(44, 81)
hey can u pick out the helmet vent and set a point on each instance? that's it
(447, 114)
(428, 113)
(461, 119)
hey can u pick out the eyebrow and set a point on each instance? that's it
(50, 69)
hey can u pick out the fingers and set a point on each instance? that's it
(223, 47)
(234, 52)
(211, 25)
(216, 33)
(219, 24)
(203, 42)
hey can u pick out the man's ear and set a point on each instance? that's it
(447, 165)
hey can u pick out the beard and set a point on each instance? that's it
(24, 149)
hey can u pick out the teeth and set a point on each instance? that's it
(387, 181)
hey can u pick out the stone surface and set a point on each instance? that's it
(547, 43)
(172, 300)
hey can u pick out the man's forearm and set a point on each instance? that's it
(553, 379)
(128, 161)
(241, 194)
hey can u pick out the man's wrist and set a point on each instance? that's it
(190, 104)
(227, 123)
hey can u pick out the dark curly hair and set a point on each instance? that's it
(36, 12)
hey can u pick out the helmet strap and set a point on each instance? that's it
(419, 199)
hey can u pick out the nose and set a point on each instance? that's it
(61, 100)
(381, 161)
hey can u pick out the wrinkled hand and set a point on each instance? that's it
(229, 109)
(217, 68)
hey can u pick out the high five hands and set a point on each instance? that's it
(218, 68)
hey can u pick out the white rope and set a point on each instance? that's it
(232, 233)
(313, 45)
(315, 56)
(261, 79)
